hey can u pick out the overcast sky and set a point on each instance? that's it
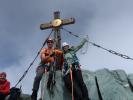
(107, 23)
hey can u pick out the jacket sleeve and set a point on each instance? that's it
(6, 89)
(76, 48)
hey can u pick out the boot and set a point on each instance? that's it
(34, 95)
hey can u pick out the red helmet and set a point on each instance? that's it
(50, 40)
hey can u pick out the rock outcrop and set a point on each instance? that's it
(102, 84)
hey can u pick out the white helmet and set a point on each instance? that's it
(65, 44)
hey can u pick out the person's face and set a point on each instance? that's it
(50, 44)
(2, 77)
(66, 48)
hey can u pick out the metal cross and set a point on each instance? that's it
(56, 24)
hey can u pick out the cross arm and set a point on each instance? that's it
(68, 21)
(63, 22)
(46, 26)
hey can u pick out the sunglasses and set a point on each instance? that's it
(49, 42)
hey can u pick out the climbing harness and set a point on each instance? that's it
(51, 68)
(96, 45)
(33, 60)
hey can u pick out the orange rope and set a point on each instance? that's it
(71, 81)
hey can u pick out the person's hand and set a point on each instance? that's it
(52, 54)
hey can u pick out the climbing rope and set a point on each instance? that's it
(96, 45)
(86, 45)
(71, 76)
(34, 59)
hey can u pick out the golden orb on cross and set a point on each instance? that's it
(56, 22)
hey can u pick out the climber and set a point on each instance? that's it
(47, 56)
(4, 86)
(80, 91)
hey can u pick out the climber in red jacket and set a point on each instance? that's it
(4, 86)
